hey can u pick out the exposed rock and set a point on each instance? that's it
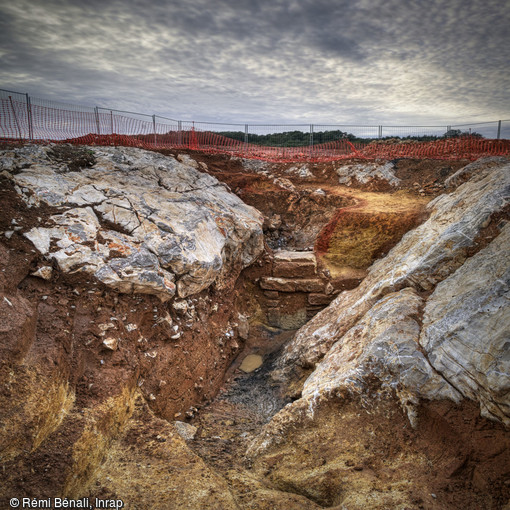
(187, 160)
(256, 165)
(384, 344)
(306, 257)
(319, 299)
(111, 343)
(185, 430)
(294, 270)
(139, 221)
(424, 257)
(300, 171)
(181, 307)
(284, 184)
(243, 327)
(466, 328)
(292, 284)
(367, 172)
(76, 420)
(471, 171)
(43, 272)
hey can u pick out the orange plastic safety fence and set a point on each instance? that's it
(21, 121)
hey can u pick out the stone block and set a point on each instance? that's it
(292, 285)
(295, 256)
(271, 294)
(312, 312)
(320, 299)
(294, 269)
(243, 327)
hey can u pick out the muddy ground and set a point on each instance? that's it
(79, 419)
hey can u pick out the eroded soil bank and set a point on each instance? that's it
(164, 421)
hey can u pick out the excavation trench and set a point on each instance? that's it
(345, 229)
(320, 241)
(98, 391)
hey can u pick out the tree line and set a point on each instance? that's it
(300, 138)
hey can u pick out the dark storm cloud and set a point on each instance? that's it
(265, 60)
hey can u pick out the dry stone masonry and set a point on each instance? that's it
(295, 291)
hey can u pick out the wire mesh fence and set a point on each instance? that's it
(23, 118)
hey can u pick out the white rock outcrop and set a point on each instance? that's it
(137, 220)
(466, 328)
(432, 319)
(367, 172)
(302, 171)
(384, 344)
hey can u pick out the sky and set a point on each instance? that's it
(265, 61)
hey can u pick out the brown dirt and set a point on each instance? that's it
(74, 158)
(293, 217)
(359, 451)
(361, 233)
(430, 174)
(78, 419)
(55, 370)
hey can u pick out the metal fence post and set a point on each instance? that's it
(380, 131)
(29, 118)
(246, 133)
(499, 130)
(111, 119)
(154, 127)
(96, 111)
(15, 118)
(179, 132)
(311, 139)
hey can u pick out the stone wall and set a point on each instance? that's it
(295, 291)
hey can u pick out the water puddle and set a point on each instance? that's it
(251, 363)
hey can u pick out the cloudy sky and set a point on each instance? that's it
(265, 61)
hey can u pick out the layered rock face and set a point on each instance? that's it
(135, 220)
(295, 291)
(432, 319)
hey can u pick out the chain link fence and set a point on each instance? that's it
(27, 118)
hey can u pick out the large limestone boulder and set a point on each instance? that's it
(466, 328)
(432, 319)
(136, 220)
(424, 257)
(384, 344)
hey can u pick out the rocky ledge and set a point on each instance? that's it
(431, 321)
(136, 220)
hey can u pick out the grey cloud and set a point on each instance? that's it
(262, 60)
